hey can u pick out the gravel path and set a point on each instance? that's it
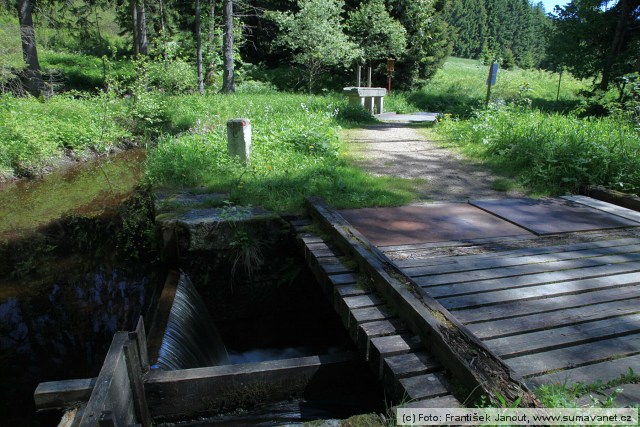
(400, 150)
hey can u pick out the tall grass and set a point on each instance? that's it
(460, 87)
(552, 152)
(296, 152)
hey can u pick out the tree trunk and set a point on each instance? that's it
(228, 83)
(164, 35)
(211, 66)
(618, 41)
(29, 49)
(134, 27)
(142, 28)
(199, 50)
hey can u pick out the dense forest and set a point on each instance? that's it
(313, 44)
(513, 31)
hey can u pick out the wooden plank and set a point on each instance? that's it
(603, 371)
(467, 358)
(518, 252)
(533, 322)
(547, 305)
(425, 386)
(456, 243)
(350, 290)
(369, 330)
(309, 238)
(534, 342)
(529, 269)
(359, 316)
(606, 207)
(382, 347)
(540, 291)
(447, 401)
(63, 394)
(190, 392)
(502, 262)
(629, 270)
(612, 196)
(113, 376)
(134, 369)
(331, 269)
(343, 279)
(370, 314)
(409, 365)
(362, 301)
(140, 338)
(582, 354)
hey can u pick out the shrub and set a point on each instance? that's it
(173, 77)
(553, 152)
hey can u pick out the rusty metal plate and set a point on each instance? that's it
(410, 225)
(551, 216)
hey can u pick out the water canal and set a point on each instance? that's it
(78, 262)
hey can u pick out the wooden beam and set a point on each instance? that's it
(112, 391)
(196, 391)
(469, 360)
(612, 196)
(63, 394)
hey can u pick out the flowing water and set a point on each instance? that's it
(191, 339)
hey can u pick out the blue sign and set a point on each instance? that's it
(493, 74)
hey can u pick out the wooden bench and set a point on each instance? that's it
(371, 98)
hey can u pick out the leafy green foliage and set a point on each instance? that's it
(552, 152)
(315, 36)
(380, 36)
(596, 39)
(428, 40)
(33, 132)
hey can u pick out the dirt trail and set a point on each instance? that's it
(400, 150)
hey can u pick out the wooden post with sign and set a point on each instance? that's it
(390, 70)
(493, 73)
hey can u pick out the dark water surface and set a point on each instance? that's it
(59, 312)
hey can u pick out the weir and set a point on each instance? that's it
(190, 339)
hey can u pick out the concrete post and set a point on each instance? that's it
(239, 139)
(369, 80)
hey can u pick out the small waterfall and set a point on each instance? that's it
(191, 339)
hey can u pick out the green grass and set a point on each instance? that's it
(460, 87)
(552, 153)
(33, 132)
(565, 395)
(297, 152)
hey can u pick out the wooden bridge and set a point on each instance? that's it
(444, 302)
(549, 292)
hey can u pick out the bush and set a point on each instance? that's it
(355, 114)
(553, 152)
(173, 77)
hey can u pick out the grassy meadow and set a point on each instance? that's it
(550, 146)
(297, 148)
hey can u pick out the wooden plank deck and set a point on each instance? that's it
(563, 312)
(396, 356)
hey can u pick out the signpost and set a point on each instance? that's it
(493, 73)
(390, 69)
